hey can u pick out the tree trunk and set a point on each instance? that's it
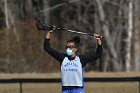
(47, 13)
(6, 14)
(129, 38)
(107, 36)
(29, 8)
(136, 45)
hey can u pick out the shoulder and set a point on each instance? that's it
(82, 60)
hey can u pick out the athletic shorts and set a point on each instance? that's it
(72, 90)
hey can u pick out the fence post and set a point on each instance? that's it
(139, 86)
(20, 87)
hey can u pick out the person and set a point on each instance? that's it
(71, 63)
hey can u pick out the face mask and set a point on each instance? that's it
(69, 52)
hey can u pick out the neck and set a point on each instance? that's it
(72, 57)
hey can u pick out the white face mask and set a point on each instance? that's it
(69, 52)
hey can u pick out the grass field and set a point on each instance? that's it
(92, 87)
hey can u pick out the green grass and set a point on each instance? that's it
(92, 87)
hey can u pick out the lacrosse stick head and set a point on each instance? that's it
(42, 26)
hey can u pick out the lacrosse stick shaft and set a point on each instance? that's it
(78, 32)
(73, 31)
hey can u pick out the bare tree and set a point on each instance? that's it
(107, 36)
(117, 20)
(129, 37)
(136, 36)
(6, 14)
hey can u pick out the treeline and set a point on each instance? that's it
(21, 45)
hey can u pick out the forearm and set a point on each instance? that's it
(99, 48)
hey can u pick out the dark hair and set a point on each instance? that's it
(76, 40)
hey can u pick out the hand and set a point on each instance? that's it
(48, 35)
(53, 28)
(98, 38)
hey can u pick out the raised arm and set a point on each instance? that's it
(47, 47)
(91, 56)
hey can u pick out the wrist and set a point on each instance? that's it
(99, 42)
(48, 35)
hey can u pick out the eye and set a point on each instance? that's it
(70, 47)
